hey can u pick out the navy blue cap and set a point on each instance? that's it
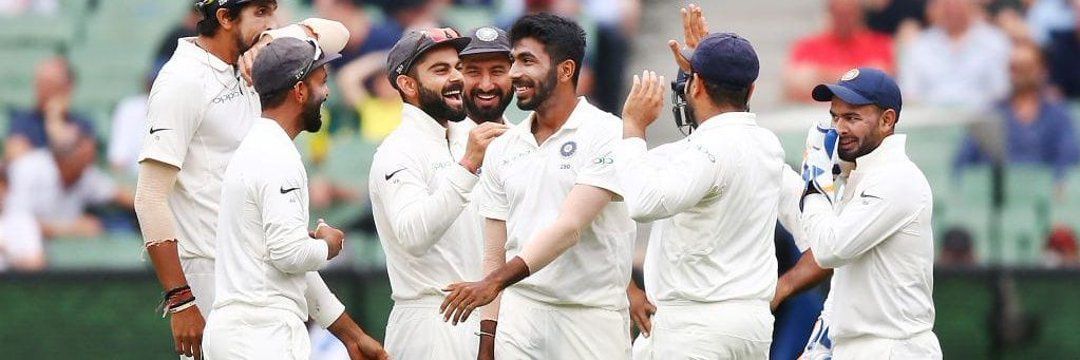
(862, 86)
(727, 60)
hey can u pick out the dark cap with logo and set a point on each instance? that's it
(488, 40)
(863, 86)
(727, 60)
(415, 43)
(286, 61)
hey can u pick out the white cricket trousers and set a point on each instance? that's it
(416, 331)
(923, 346)
(724, 330)
(530, 329)
(246, 332)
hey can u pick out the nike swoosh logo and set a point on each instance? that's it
(390, 175)
(865, 195)
(153, 130)
(286, 191)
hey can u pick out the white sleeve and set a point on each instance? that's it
(599, 168)
(656, 186)
(491, 199)
(865, 221)
(174, 113)
(791, 189)
(419, 213)
(285, 219)
(323, 306)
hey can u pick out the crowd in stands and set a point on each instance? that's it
(1017, 60)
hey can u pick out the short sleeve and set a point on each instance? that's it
(491, 195)
(599, 167)
(174, 113)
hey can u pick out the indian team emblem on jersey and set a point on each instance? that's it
(568, 149)
(850, 75)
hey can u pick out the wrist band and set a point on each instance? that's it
(178, 306)
(176, 290)
(485, 333)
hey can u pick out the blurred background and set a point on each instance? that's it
(991, 87)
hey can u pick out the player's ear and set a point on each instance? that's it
(566, 70)
(407, 85)
(223, 18)
(301, 91)
(888, 120)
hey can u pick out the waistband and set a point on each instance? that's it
(725, 303)
(424, 301)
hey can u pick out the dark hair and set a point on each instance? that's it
(563, 39)
(274, 99)
(726, 95)
(209, 25)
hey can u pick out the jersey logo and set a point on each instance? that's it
(865, 195)
(568, 148)
(286, 191)
(153, 130)
(390, 175)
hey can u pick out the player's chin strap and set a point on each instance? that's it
(684, 115)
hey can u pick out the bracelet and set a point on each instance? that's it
(179, 306)
(176, 290)
(485, 333)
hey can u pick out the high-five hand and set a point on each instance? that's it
(695, 28)
(643, 105)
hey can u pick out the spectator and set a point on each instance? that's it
(60, 202)
(23, 7)
(365, 86)
(888, 16)
(402, 15)
(1064, 53)
(186, 28)
(355, 19)
(1061, 249)
(54, 80)
(1045, 17)
(960, 61)
(20, 236)
(846, 44)
(1038, 127)
(129, 130)
(957, 249)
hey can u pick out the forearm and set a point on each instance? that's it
(346, 329)
(156, 180)
(494, 257)
(550, 243)
(804, 275)
(300, 255)
(420, 223)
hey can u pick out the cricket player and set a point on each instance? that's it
(199, 109)
(265, 256)
(874, 235)
(420, 189)
(547, 192)
(713, 200)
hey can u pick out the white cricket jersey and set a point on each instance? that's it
(198, 111)
(713, 200)
(879, 240)
(419, 197)
(525, 183)
(263, 247)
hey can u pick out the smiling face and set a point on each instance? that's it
(862, 128)
(533, 75)
(487, 85)
(318, 93)
(435, 84)
(252, 21)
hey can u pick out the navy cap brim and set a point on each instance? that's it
(484, 50)
(327, 58)
(826, 92)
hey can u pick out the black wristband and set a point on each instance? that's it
(168, 294)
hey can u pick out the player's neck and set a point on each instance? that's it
(286, 118)
(553, 113)
(221, 46)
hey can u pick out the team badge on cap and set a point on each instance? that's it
(850, 75)
(486, 34)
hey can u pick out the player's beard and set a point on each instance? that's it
(542, 90)
(311, 115)
(435, 105)
(491, 114)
